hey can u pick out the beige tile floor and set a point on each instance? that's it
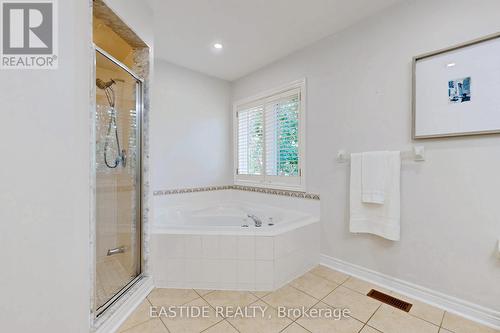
(111, 276)
(320, 288)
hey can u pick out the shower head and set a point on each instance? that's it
(104, 85)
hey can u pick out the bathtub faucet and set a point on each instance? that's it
(256, 220)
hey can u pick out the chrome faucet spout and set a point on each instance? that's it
(256, 220)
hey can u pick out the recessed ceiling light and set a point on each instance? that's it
(451, 64)
(218, 46)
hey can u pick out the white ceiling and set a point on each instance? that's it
(254, 32)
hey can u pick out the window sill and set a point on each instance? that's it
(270, 185)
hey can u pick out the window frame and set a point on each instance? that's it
(263, 180)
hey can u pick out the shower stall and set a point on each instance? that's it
(118, 183)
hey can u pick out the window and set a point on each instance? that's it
(269, 139)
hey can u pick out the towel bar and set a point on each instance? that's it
(417, 154)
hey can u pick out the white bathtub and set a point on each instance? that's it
(229, 218)
(204, 244)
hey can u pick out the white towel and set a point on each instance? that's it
(373, 173)
(379, 219)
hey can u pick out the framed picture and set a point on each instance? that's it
(456, 91)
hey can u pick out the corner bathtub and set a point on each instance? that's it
(216, 246)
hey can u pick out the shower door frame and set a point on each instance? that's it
(98, 311)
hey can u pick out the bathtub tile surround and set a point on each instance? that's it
(295, 194)
(233, 262)
(315, 289)
(199, 240)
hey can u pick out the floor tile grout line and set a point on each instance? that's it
(390, 290)
(411, 301)
(331, 280)
(373, 314)
(223, 318)
(150, 305)
(142, 322)
(321, 300)
(237, 330)
(292, 319)
(217, 323)
(411, 314)
(276, 309)
(403, 312)
(183, 304)
(162, 322)
(362, 327)
(209, 292)
(295, 322)
(352, 289)
(314, 304)
(213, 308)
(442, 320)
(290, 324)
(318, 300)
(330, 293)
(260, 297)
(417, 317)
(305, 292)
(357, 293)
(373, 328)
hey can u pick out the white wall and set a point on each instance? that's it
(45, 179)
(190, 126)
(359, 93)
(44, 196)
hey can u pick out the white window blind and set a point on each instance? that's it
(269, 138)
(250, 141)
(282, 137)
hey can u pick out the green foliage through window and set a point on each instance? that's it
(269, 138)
(287, 128)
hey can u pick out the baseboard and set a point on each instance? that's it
(112, 322)
(477, 313)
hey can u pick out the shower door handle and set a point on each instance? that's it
(118, 250)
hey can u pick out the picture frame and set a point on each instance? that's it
(454, 90)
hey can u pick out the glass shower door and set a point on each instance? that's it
(118, 179)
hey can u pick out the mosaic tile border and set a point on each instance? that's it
(288, 193)
(193, 189)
